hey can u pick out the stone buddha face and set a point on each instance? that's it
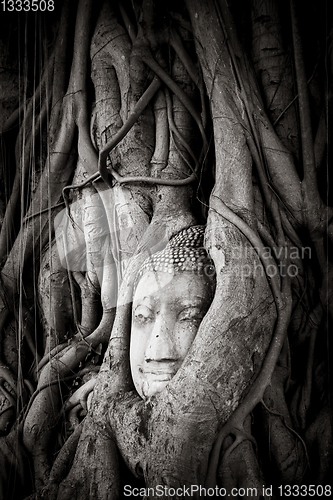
(169, 304)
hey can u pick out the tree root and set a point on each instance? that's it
(128, 25)
(222, 209)
(178, 135)
(103, 154)
(109, 146)
(8, 411)
(159, 159)
(80, 396)
(139, 108)
(46, 398)
(256, 392)
(235, 424)
(6, 374)
(298, 437)
(147, 57)
(240, 469)
(7, 233)
(62, 462)
(192, 70)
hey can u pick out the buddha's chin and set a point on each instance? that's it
(153, 387)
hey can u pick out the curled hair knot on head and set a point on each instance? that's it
(185, 252)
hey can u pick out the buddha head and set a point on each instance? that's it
(173, 291)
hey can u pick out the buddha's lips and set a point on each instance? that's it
(160, 374)
(159, 377)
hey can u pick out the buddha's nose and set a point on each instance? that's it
(161, 345)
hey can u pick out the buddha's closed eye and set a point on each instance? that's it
(191, 314)
(143, 314)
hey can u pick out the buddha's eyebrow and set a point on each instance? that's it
(146, 298)
(195, 301)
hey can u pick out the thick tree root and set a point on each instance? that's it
(235, 425)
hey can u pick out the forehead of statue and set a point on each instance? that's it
(151, 283)
(180, 285)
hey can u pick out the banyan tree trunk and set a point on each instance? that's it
(165, 124)
(168, 439)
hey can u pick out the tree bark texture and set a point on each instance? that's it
(147, 119)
